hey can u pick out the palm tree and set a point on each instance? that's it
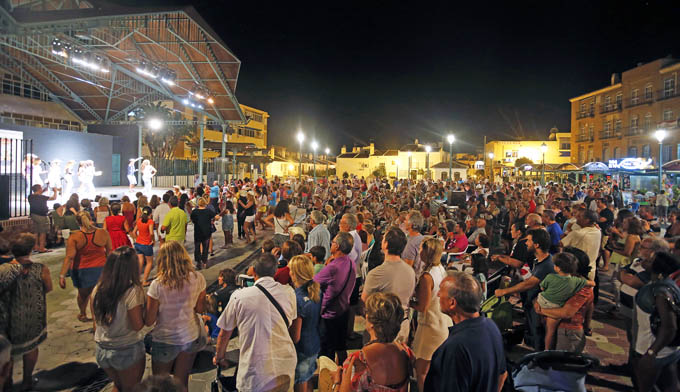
(162, 143)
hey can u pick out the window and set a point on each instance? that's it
(581, 157)
(632, 152)
(617, 153)
(668, 115)
(582, 130)
(619, 100)
(646, 151)
(677, 151)
(648, 92)
(606, 130)
(565, 146)
(634, 124)
(667, 151)
(648, 121)
(634, 99)
(605, 153)
(617, 126)
(669, 87)
(607, 102)
(582, 108)
(592, 106)
(590, 154)
(591, 131)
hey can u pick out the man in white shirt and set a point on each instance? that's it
(159, 215)
(268, 362)
(588, 238)
(319, 235)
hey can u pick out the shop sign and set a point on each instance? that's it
(630, 163)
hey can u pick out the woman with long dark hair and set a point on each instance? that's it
(144, 240)
(118, 308)
(280, 220)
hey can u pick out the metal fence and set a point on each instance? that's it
(16, 177)
(183, 172)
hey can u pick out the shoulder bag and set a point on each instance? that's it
(274, 302)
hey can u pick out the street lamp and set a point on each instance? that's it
(327, 151)
(660, 135)
(544, 148)
(427, 160)
(408, 176)
(300, 138)
(450, 139)
(315, 145)
(491, 166)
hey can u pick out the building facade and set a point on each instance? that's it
(619, 121)
(409, 161)
(507, 152)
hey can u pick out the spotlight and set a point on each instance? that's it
(211, 100)
(185, 101)
(155, 124)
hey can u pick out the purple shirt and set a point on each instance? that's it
(332, 279)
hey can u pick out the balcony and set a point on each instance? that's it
(585, 114)
(584, 138)
(611, 134)
(612, 107)
(630, 131)
(667, 94)
(637, 101)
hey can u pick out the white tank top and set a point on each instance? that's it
(281, 225)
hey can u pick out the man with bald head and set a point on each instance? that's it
(472, 358)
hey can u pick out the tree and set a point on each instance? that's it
(163, 142)
(523, 161)
(345, 175)
(379, 172)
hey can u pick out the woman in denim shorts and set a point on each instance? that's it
(173, 299)
(118, 306)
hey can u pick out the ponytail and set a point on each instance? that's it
(85, 221)
(314, 291)
(146, 211)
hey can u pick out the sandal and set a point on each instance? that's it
(83, 318)
(588, 332)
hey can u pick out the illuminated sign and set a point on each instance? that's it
(630, 163)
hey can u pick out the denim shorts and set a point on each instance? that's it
(120, 358)
(85, 278)
(146, 250)
(305, 368)
(668, 360)
(164, 353)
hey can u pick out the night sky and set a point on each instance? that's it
(352, 72)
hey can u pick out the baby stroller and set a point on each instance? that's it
(224, 383)
(553, 371)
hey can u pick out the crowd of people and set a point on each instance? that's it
(393, 252)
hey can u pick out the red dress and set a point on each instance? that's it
(115, 225)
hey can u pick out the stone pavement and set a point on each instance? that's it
(71, 340)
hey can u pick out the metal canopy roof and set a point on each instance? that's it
(175, 38)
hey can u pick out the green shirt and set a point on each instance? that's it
(558, 289)
(175, 223)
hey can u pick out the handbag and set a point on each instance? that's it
(203, 337)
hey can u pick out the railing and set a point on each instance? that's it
(16, 177)
(608, 134)
(584, 138)
(612, 107)
(667, 94)
(637, 101)
(585, 114)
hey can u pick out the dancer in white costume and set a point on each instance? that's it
(148, 172)
(54, 177)
(132, 179)
(37, 172)
(68, 179)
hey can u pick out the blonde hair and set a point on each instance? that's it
(174, 265)
(85, 221)
(302, 272)
(202, 202)
(385, 313)
(431, 253)
(104, 202)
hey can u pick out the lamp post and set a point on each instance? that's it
(491, 165)
(408, 176)
(660, 135)
(544, 148)
(327, 151)
(300, 138)
(450, 139)
(315, 145)
(427, 161)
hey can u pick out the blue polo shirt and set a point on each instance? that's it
(470, 359)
